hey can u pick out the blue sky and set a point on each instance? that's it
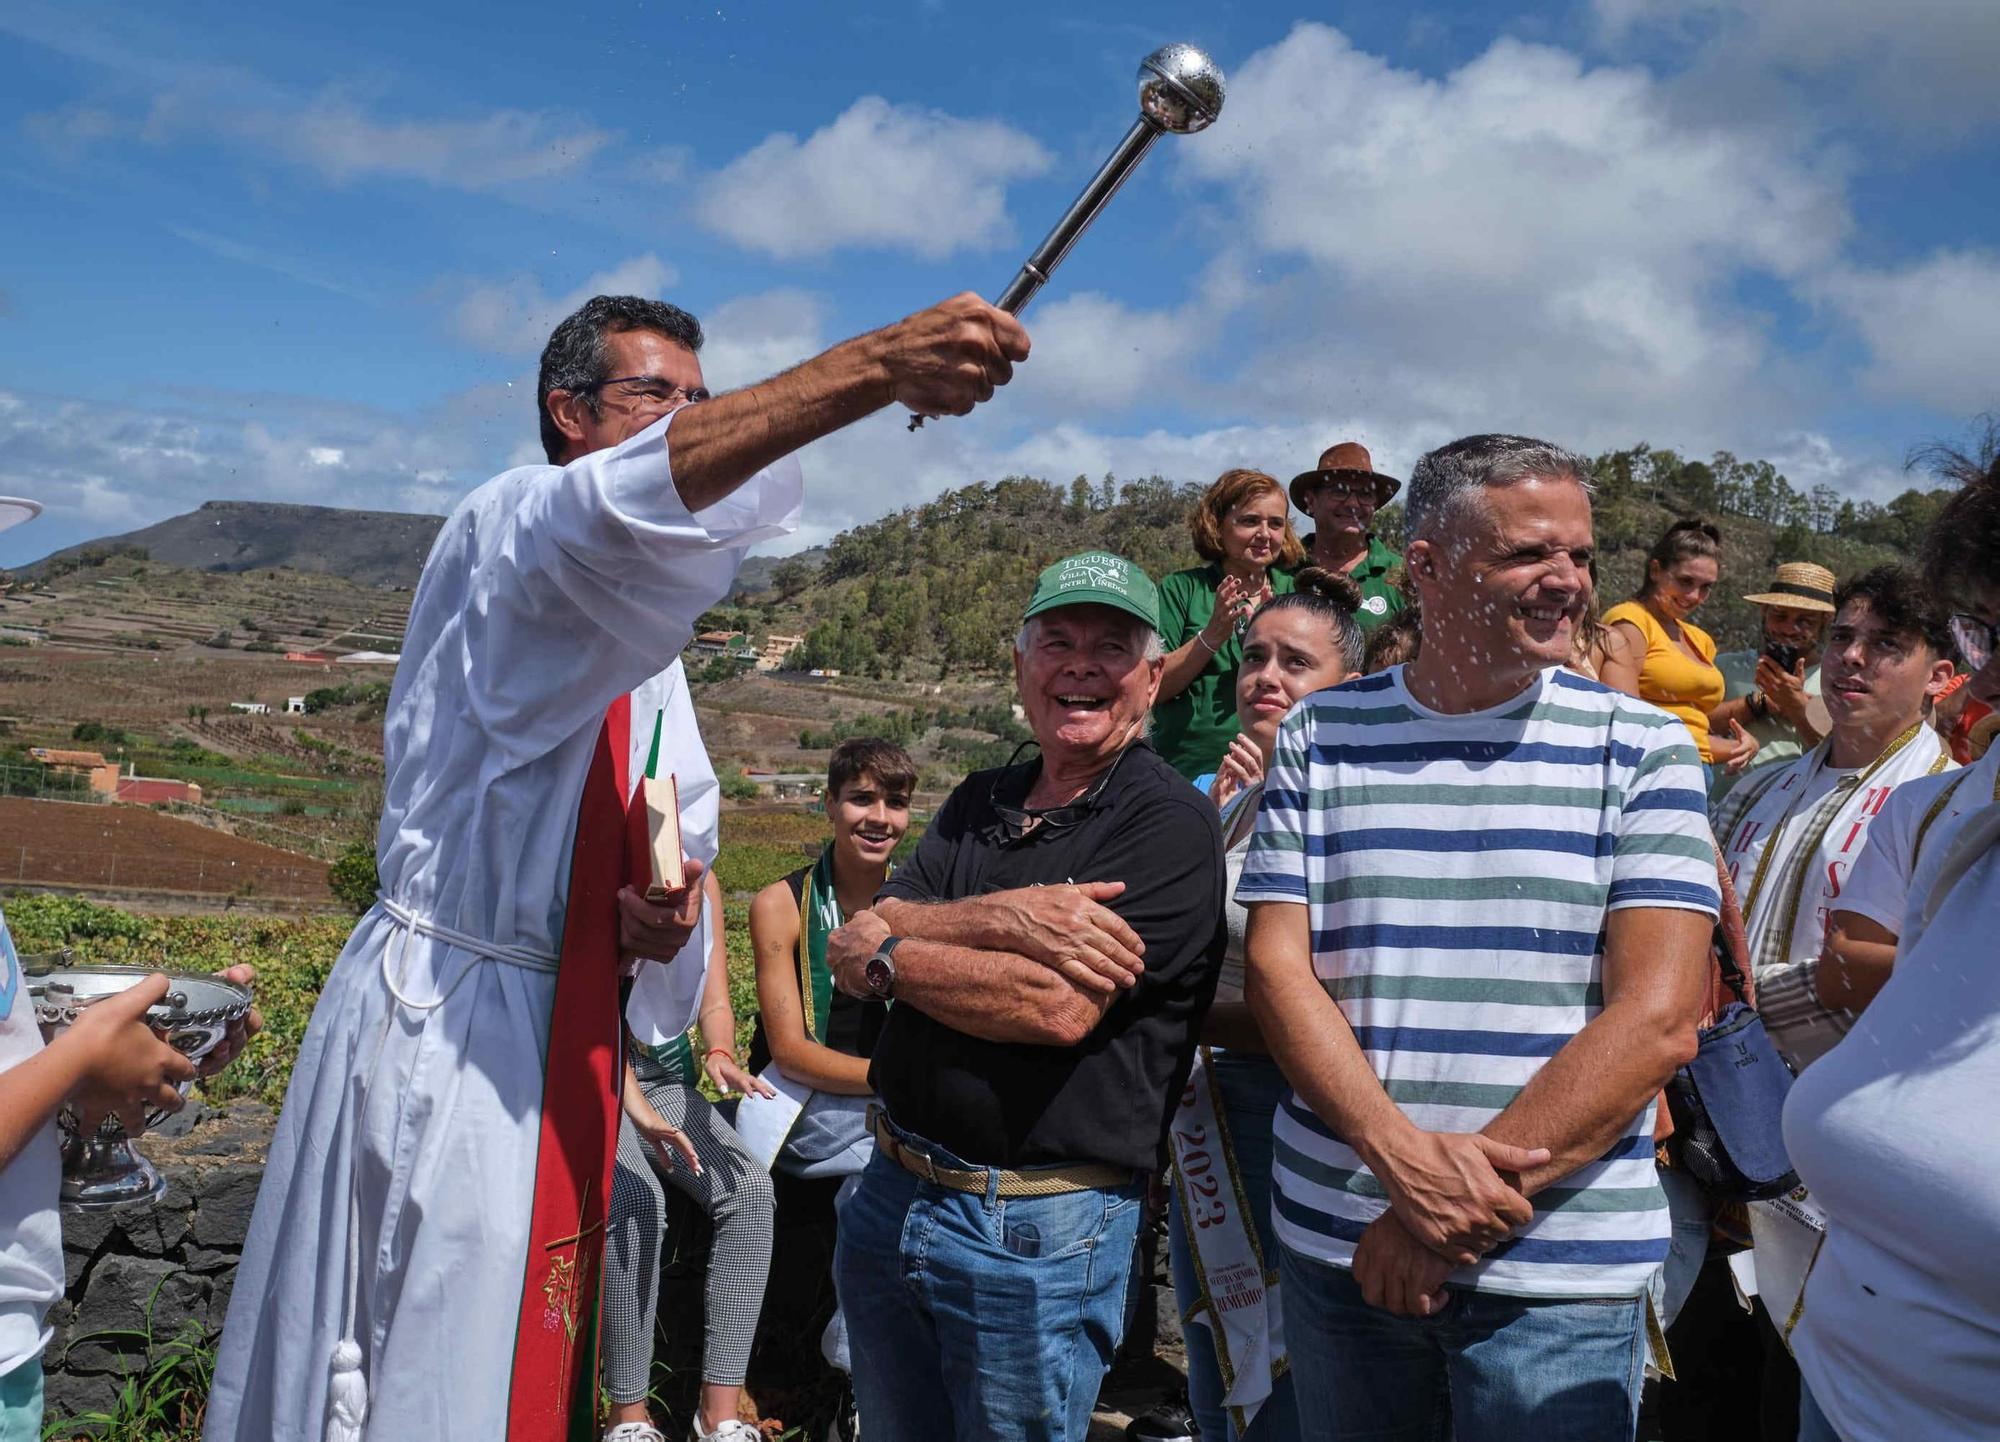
(310, 253)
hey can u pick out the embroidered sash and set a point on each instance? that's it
(553, 1392)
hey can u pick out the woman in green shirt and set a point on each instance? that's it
(1242, 528)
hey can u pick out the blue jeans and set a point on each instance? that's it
(975, 1317)
(1251, 1088)
(1813, 1423)
(1507, 1368)
(1687, 1247)
(21, 1403)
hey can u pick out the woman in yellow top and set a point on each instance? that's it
(1661, 655)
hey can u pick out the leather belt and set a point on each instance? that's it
(1039, 1182)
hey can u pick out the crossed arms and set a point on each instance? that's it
(1038, 964)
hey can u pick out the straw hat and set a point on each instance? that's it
(1348, 458)
(1800, 585)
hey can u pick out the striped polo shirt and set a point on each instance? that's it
(1458, 869)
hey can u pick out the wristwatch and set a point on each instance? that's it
(880, 973)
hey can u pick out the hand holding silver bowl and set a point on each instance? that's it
(194, 1016)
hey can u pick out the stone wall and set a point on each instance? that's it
(139, 1279)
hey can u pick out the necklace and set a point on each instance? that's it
(1809, 844)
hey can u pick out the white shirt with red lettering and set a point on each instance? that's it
(1919, 820)
(1787, 813)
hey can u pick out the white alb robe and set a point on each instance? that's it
(549, 592)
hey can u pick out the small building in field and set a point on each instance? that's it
(103, 774)
(157, 791)
(717, 643)
(771, 655)
(788, 785)
(295, 705)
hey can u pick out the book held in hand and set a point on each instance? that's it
(658, 840)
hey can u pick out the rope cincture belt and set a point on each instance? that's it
(414, 923)
(1041, 1182)
(347, 1375)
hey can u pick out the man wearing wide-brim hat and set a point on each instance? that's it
(1342, 494)
(1774, 689)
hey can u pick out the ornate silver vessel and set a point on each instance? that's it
(103, 1171)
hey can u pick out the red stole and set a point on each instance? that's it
(554, 1388)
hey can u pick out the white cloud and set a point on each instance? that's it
(1523, 165)
(515, 316)
(880, 175)
(1526, 242)
(1932, 327)
(334, 135)
(877, 466)
(291, 267)
(70, 131)
(1093, 354)
(754, 337)
(1809, 459)
(102, 469)
(1925, 65)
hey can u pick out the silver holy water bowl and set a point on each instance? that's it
(103, 1172)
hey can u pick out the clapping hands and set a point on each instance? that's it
(1236, 601)
(1242, 767)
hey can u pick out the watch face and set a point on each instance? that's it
(881, 975)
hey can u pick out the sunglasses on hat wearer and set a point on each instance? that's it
(1020, 820)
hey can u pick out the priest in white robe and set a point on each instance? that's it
(400, 1269)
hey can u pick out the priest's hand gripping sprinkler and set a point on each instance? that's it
(1180, 90)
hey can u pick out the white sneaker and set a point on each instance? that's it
(733, 1430)
(635, 1432)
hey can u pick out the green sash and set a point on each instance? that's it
(819, 914)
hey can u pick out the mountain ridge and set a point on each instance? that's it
(373, 548)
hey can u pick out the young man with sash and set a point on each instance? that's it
(424, 1256)
(1791, 838)
(1919, 821)
(813, 1041)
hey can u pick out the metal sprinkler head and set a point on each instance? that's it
(1180, 89)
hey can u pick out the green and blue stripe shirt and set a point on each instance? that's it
(1458, 869)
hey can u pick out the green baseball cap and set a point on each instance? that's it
(1096, 578)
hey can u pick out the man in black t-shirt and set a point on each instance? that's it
(1051, 950)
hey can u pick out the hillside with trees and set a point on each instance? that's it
(936, 590)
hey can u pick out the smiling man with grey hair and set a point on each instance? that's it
(1480, 893)
(1052, 949)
